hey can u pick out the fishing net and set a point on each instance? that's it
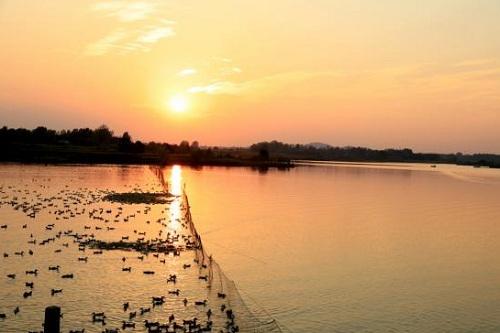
(219, 285)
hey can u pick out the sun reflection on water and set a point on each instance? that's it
(176, 180)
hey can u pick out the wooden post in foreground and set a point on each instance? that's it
(52, 320)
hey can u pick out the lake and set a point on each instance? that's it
(358, 248)
(321, 247)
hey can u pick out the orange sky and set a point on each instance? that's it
(423, 74)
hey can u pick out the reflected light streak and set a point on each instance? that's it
(176, 180)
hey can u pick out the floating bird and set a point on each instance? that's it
(55, 291)
(174, 292)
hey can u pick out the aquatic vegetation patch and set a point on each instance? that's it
(157, 246)
(139, 198)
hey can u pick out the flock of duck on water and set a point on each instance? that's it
(67, 204)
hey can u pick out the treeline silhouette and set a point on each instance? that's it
(101, 145)
(361, 154)
(100, 137)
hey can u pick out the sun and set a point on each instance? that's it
(178, 103)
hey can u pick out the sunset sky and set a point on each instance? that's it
(423, 74)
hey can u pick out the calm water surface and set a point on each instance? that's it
(323, 248)
(367, 248)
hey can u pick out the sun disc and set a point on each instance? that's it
(178, 103)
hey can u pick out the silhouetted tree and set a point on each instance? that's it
(125, 142)
(138, 147)
(264, 154)
(184, 146)
(102, 135)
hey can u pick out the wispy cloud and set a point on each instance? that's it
(265, 83)
(187, 72)
(126, 11)
(220, 73)
(139, 27)
(222, 87)
(105, 44)
(468, 79)
(154, 34)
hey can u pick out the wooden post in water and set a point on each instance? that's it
(52, 320)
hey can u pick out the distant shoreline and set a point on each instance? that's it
(102, 146)
(70, 154)
(66, 155)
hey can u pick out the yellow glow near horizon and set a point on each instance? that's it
(178, 103)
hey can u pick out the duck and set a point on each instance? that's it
(174, 292)
(204, 302)
(67, 276)
(111, 330)
(16, 310)
(172, 278)
(128, 324)
(29, 284)
(99, 317)
(27, 294)
(11, 276)
(126, 306)
(158, 300)
(98, 314)
(55, 291)
(144, 310)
